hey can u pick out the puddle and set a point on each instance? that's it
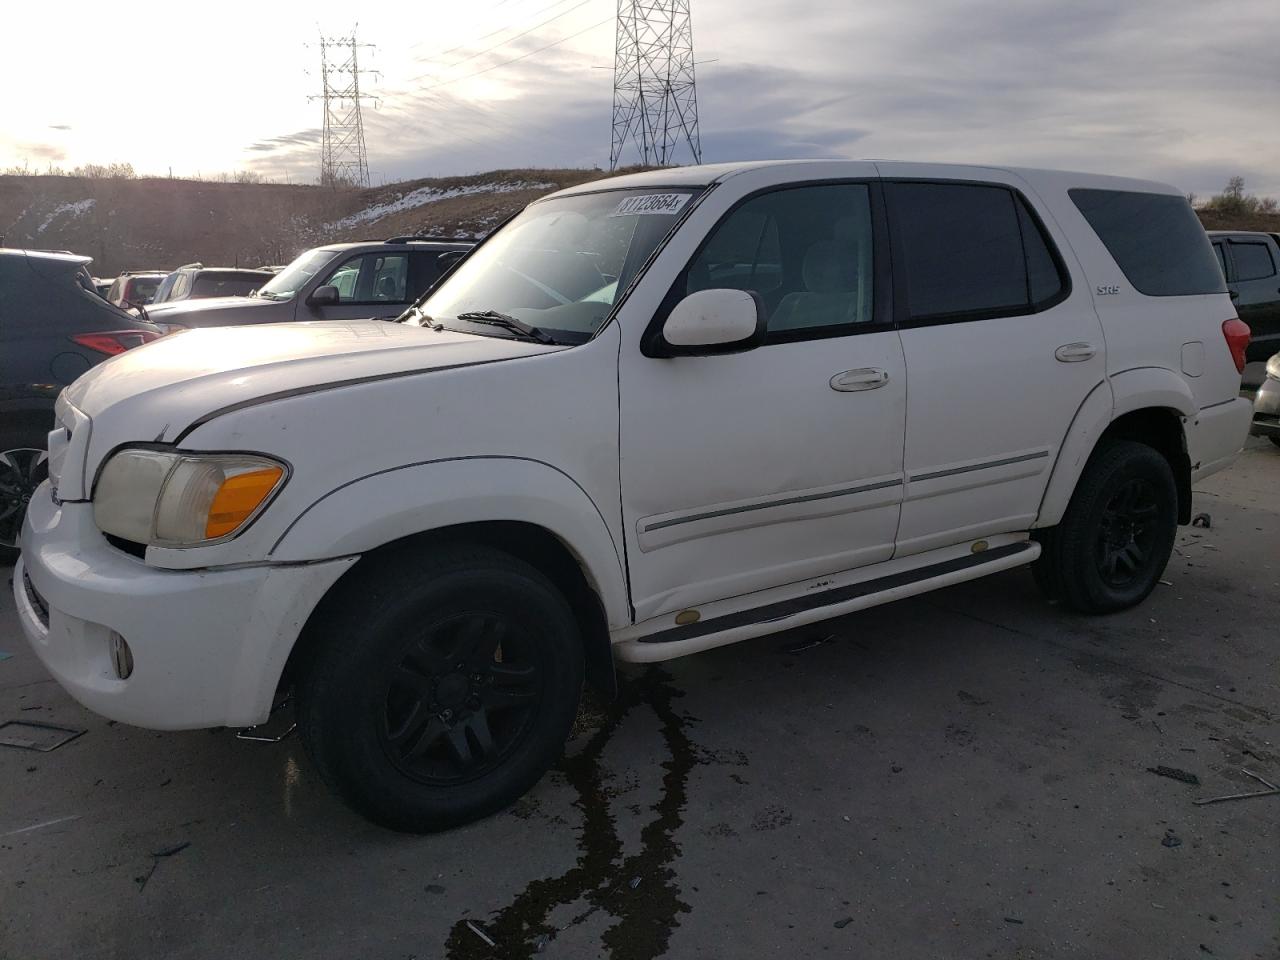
(639, 893)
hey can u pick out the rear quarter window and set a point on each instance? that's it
(1155, 239)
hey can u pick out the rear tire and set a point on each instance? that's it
(1116, 536)
(439, 686)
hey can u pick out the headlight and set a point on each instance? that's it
(171, 499)
(1273, 367)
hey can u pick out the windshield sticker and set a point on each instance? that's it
(667, 203)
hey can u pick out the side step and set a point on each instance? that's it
(775, 617)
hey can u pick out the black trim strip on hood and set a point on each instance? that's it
(320, 387)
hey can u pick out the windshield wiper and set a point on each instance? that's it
(527, 330)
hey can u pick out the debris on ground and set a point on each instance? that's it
(842, 923)
(480, 933)
(1171, 839)
(1173, 773)
(1271, 791)
(434, 888)
(970, 699)
(1013, 920)
(809, 645)
(1202, 520)
(32, 735)
(142, 879)
(635, 882)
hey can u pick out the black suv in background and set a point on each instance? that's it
(53, 327)
(341, 281)
(1251, 263)
(195, 281)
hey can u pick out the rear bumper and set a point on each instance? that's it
(1216, 436)
(1266, 409)
(208, 646)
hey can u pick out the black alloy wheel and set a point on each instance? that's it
(461, 698)
(1127, 533)
(1114, 540)
(22, 469)
(437, 682)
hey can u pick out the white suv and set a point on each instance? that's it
(647, 417)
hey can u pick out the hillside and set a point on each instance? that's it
(159, 223)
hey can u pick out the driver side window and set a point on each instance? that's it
(806, 252)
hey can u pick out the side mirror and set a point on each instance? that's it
(714, 321)
(324, 296)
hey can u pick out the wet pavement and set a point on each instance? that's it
(964, 774)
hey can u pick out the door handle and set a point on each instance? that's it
(1075, 352)
(863, 378)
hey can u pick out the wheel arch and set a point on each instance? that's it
(1147, 405)
(525, 508)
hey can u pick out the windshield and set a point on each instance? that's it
(295, 276)
(559, 266)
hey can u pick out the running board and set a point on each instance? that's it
(786, 614)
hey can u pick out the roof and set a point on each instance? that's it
(431, 244)
(1240, 233)
(705, 174)
(46, 255)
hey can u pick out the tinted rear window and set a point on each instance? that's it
(971, 251)
(1253, 261)
(1156, 240)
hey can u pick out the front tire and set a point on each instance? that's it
(1116, 536)
(440, 686)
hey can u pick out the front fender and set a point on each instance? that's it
(386, 506)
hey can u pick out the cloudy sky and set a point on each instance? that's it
(1186, 91)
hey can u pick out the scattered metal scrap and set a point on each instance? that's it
(1202, 520)
(480, 933)
(31, 735)
(1271, 790)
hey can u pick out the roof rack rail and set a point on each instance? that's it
(426, 239)
(134, 273)
(192, 266)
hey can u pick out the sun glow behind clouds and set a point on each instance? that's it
(177, 86)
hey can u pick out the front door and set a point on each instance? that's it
(1000, 352)
(370, 286)
(756, 469)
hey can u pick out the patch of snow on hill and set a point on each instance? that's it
(425, 195)
(77, 208)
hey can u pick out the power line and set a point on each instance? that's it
(563, 13)
(492, 33)
(523, 56)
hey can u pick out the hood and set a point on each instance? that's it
(156, 391)
(177, 308)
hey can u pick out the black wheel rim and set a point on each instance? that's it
(461, 698)
(1127, 533)
(21, 471)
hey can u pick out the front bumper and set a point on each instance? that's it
(208, 646)
(1266, 409)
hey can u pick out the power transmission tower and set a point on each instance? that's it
(343, 161)
(655, 99)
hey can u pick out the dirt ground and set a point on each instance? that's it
(965, 774)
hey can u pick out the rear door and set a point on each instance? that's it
(1255, 278)
(1000, 353)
